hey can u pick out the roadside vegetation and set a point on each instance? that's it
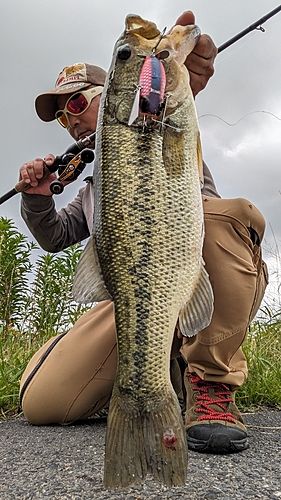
(36, 304)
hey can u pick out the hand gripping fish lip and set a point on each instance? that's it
(150, 95)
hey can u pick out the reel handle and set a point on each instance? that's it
(56, 187)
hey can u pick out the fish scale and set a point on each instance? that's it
(147, 252)
(140, 240)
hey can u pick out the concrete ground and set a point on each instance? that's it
(66, 463)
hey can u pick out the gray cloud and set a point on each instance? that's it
(39, 37)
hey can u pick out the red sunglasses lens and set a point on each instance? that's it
(77, 104)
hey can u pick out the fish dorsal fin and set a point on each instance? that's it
(197, 313)
(137, 25)
(88, 285)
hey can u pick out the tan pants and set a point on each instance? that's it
(71, 376)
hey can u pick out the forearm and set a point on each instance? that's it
(54, 231)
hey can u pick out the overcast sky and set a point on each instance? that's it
(39, 37)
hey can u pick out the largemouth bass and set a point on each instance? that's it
(146, 249)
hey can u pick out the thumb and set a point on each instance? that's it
(49, 159)
(186, 18)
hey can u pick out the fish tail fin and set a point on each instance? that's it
(141, 441)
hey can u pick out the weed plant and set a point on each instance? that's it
(262, 350)
(34, 309)
(33, 306)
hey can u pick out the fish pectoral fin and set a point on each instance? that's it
(88, 285)
(197, 313)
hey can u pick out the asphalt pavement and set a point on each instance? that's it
(66, 463)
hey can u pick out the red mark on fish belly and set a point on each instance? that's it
(169, 439)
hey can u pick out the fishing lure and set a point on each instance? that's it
(150, 94)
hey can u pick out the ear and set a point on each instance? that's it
(136, 25)
(181, 40)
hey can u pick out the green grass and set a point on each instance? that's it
(32, 311)
(15, 352)
(262, 349)
(35, 304)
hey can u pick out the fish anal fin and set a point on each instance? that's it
(197, 313)
(88, 285)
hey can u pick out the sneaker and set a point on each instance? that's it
(213, 421)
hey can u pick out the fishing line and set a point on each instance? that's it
(232, 124)
(160, 38)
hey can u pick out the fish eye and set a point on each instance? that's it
(164, 54)
(124, 52)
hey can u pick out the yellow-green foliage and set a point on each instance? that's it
(34, 309)
(262, 349)
(35, 304)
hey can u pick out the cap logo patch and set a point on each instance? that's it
(72, 73)
(75, 68)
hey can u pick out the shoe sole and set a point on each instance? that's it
(218, 444)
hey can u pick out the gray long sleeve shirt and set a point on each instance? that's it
(57, 230)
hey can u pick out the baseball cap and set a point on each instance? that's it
(71, 79)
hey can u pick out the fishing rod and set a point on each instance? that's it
(255, 26)
(73, 161)
(69, 166)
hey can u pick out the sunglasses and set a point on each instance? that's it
(77, 104)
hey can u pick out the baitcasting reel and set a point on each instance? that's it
(70, 167)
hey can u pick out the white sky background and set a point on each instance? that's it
(39, 37)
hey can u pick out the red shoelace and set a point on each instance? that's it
(204, 399)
